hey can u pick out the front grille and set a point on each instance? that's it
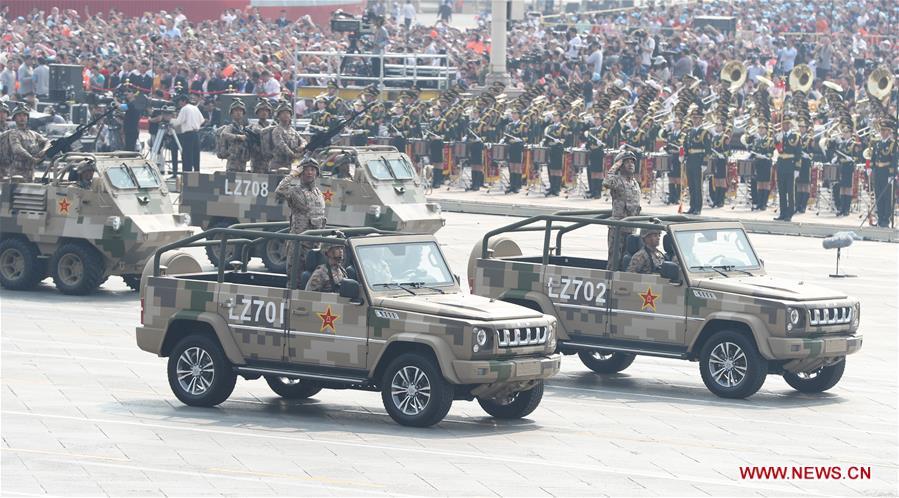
(830, 316)
(30, 202)
(521, 336)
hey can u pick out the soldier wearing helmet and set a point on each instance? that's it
(27, 147)
(306, 203)
(232, 141)
(287, 145)
(327, 276)
(261, 153)
(648, 259)
(625, 192)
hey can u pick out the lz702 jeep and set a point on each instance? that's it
(711, 302)
(372, 186)
(399, 325)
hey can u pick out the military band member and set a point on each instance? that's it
(327, 276)
(260, 153)
(362, 125)
(399, 126)
(696, 146)
(475, 148)
(787, 171)
(334, 104)
(762, 148)
(884, 157)
(321, 119)
(27, 146)
(554, 138)
(846, 152)
(437, 129)
(720, 144)
(673, 140)
(233, 139)
(515, 135)
(625, 191)
(648, 259)
(287, 145)
(306, 203)
(808, 150)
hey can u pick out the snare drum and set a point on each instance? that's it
(539, 154)
(744, 167)
(379, 140)
(830, 173)
(419, 147)
(460, 150)
(661, 162)
(499, 152)
(579, 157)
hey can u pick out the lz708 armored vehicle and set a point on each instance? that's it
(399, 325)
(107, 220)
(372, 186)
(711, 302)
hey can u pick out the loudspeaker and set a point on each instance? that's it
(223, 102)
(66, 82)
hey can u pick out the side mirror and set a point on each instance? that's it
(762, 263)
(458, 279)
(349, 289)
(671, 271)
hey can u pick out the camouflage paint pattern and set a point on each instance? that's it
(363, 200)
(261, 320)
(46, 214)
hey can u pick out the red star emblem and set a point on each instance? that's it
(63, 206)
(649, 299)
(328, 320)
(327, 194)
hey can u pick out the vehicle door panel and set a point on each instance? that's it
(256, 315)
(647, 308)
(580, 297)
(326, 330)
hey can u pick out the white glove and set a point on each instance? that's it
(795, 174)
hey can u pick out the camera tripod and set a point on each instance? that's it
(158, 150)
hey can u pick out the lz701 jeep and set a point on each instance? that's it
(399, 325)
(372, 186)
(711, 302)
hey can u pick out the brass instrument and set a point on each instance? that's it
(879, 83)
(801, 78)
(734, 72)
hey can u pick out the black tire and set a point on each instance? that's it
(274, 256)
(818, 380)
(606, 362)
(745, 359)
(519, 405)
(435, 406)
(292, 388)
(212, 252)
(77, 269)
(132, 281)
(20, 268)
(220, 380)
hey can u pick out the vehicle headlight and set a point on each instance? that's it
(480, 338)
(792, 318)
(114, 222)
(856, 315)
(551, 335)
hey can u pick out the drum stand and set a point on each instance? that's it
(500, 186)
(742, 195)
(462, 181)
(541, 186)
(825, 200)
(580, 188)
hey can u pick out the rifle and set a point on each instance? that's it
(253, 138)
(322, 139)
(64, 144)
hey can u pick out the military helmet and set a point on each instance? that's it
(20, 109)
(282, 107)
(645, 232)
(237, 104)
(263, 104)
(626, 154)
(311, 163)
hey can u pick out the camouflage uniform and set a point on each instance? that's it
(261, 154)
(25, 145)
(287, 146)
(625, 202)
(646, 261)
(307, 210)
(236, 144)
(326, 278)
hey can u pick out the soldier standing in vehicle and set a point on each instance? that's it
(233, 139)
(27, 146)
(4, 116)
(306, 203)
(261, 154)
(287, 143)
(5, 154)
(648, 259)
(327, 276)
(625, 191)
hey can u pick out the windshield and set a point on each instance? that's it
(726, 247)
(395, 168)
(413, 262)
(146, 176)
(119, 177)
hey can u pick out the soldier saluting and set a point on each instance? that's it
(232, 140)
(306, 203)
(625, 191)
(27, 146)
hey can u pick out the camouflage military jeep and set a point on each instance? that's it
(399, 325)
(363, 187)
(82, 232)
(711, 302)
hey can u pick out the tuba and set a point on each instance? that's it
(734, 72)
(879, 83)
(801, 78)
